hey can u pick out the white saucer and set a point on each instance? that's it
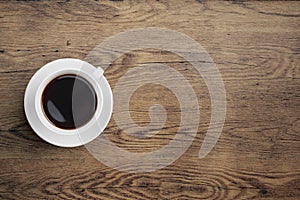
(35, 114)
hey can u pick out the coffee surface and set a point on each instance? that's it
(69, 101)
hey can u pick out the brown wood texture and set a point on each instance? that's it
(256, 47)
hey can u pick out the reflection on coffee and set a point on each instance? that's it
(69, 101)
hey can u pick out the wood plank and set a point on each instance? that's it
(255, 45)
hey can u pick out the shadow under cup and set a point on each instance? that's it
(69, 101)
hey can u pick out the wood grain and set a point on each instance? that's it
(255, 45)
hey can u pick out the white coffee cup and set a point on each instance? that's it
(36, 115)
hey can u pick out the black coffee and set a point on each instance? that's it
(69, 101)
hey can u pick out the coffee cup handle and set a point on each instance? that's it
(98, 72)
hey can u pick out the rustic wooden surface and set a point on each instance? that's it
(256, 46)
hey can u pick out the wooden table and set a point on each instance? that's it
(256, 47)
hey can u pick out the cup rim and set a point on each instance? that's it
(60, 72)
(68, 137)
